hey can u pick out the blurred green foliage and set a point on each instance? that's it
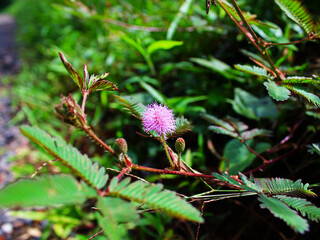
(171, 52)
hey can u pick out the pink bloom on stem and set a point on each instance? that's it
(158, 118)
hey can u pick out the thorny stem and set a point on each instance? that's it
(85, 94)
(252, 37)
(166, 149)
(154, 170)
(164, 171)
(254, 152)
(253, 34)
(88, 130)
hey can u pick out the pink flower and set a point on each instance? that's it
(159, 118)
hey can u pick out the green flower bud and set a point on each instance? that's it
(120, 146)
(180, 145)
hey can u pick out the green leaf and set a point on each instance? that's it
(253, 70)
(73, 73)
(112, 230)
(226, 178)
(305, 207)
(155, 196)
(214, 120)
(314, 147)
(299, 80)
(141, 49)
(234, 128)
(237, 157)
(298, 13)
(219, 67)
(45, 191)
(177, 19)
(306, 94)
(153, 92)
(254, 133)
(120, 216)
(282, 211)
(102, 85)
(221, 130)
(252, 107)
(279, 93)
(68, 155)
(135, 108)
(163, 45)
(183, 125)
(283, 186)
(256, 57)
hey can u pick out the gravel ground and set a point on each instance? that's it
(11, 228)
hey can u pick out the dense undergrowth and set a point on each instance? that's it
(202, 67)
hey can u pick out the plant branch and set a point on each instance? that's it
(166, 149)
(98, 233)
(244, 20)
(261, 167)
(85, 94)
(252, 37)
(254, 152)
(88, 130)
(165, 171)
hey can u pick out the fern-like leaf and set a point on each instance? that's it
(234, 128)
(305, 207)
(306, 94)
(298, 13)
(282, 211)
(182, 126)
(258, 71)
(299, 80)
(156, 197)
(45, 191)
(135, 108)
(283, 186)
(68, 155)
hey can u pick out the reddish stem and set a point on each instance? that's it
(85, 94)
(261, 167)
(254, 152)
(164, 171)
(98, 233)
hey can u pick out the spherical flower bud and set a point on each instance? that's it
(70, 112)
(120, 146)
(180, 145)
(159, 118)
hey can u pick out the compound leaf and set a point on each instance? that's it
(68, 155)
(306, 94)
(156, 197)
(135, 108)
(305, 207)
(282, 211)
(298, 13)
(45, 191)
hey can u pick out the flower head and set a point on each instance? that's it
(158, 118)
